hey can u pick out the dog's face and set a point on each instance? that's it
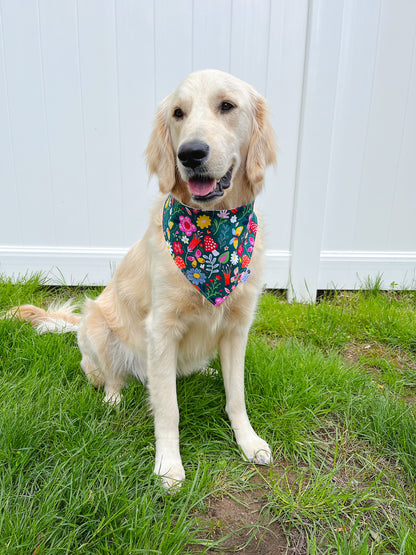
(212, 141)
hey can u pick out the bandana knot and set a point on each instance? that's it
(212, 248)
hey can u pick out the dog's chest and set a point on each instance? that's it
(207, 323)
(200, 340)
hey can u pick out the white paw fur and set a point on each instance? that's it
(256, 450)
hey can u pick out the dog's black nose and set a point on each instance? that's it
(193, 153)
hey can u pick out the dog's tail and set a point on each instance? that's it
(58, 318)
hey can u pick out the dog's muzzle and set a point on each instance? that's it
(206, 188)
(193, 155)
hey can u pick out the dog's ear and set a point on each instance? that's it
(159, 151)
(262, 146)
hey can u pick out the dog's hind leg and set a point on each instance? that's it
(92, 371)
(111, 383)
(97, 345)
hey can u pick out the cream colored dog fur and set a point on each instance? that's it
(149, 321)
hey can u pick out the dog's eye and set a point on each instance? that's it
(178, 114)
(226, 106)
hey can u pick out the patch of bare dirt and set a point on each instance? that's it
(237, 523)
(367, 356)
(362, 352)
(411, 399)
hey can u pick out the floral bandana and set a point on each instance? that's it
(212, 248)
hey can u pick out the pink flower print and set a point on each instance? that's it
(186, 225)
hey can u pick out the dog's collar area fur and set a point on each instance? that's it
(212, 248)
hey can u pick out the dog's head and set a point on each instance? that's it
(212, 141)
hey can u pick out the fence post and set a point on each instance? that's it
(314, 150)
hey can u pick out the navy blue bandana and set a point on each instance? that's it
(212, 248)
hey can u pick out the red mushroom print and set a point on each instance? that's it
(210, 245)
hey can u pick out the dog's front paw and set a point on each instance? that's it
(173, 478)
(169, 468)
(256, 450)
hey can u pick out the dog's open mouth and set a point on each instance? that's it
(205, 188)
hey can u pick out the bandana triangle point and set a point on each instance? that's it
(212, 248)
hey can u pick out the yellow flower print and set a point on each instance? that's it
(203, 221)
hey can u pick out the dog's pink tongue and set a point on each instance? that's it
(201, 188)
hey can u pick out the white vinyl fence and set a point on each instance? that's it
(79, 84)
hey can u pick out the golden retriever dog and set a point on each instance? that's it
(209, 148)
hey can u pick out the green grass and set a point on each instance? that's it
(331, 386)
